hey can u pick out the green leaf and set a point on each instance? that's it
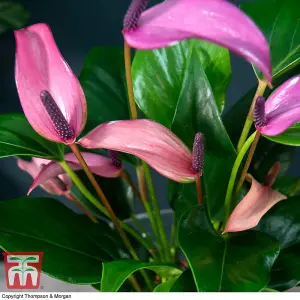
(12, 16)
(289, 137)
(281, 26)
(266, 154)
(286, 270)
(215, 62)
(287, 185)
(171, 87)
(182, 197)
(116, 272)
(184, 283)
(226, 263)
(165, 286)
(74, 247)
(283, 222)
(102, 79)
(17, 138)
(172, 64)
(119, 193)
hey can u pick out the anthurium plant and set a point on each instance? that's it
(158, 104)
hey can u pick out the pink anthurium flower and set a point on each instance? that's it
(151, 142)
(98, 164)
(50, 94)
(281, 110)
(216, 21)
(57, 185)
(255, 204)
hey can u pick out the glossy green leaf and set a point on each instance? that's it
(172, 64)
(279, 20)
(102, 79)
(286, 270)
(227, 263)
(17, 138)
(283, 222)
(171, 87)
(184, 283)
(215, 62)
(289, 137)
(119, 193)
(74, 247)
(12, 16)
(116, 272)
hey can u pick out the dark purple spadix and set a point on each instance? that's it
(60, 123)
(114, 155)
(259, 112)
(133, 14)
(198, 153)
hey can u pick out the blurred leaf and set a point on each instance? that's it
(184, 283)
(102, 79)
(279, 20)
(283, 222)
(74, 247)
(287, 185)
(165, 286)
(17, 138)
(225, 263)
(172, 88)
(286, 270)
(289, 137)
(12, 16)
(266, 154)
(119, 193)
(115, 273)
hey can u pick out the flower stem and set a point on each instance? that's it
(160, 224)
(142, 186)
(122, 225)
(237, 163)
(103, 198)
(127, 59)
(134, 116)
(262, 84)
(125, 176)
(80, 206)
(199, 190)
(248, 162)
(174, 241)
(143, 230)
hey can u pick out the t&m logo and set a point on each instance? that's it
(23, 269)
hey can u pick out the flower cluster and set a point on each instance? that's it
(55, 106)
